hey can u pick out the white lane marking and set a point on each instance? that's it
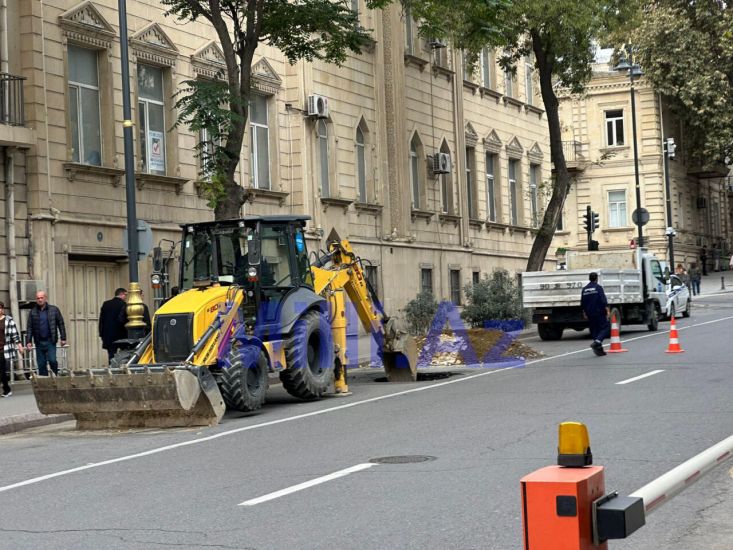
(635, 378)
(316, 413)
(307, 484)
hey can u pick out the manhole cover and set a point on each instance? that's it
(405, 459)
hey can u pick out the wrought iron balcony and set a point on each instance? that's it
(11, 100)
(575, 155)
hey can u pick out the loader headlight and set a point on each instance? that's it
(155, 280)
(252, 272)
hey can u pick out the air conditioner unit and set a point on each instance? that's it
(702, 202)
(27, 290)
(436, 43)
(317, 106)
(441, 163)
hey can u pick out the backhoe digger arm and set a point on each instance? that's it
(399, 352)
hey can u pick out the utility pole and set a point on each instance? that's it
(135, 325)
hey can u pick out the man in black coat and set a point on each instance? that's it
(111, 329)
(45, 328)
(595, 309)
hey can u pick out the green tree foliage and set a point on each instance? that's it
(494, 298)
(420, 311)
(686, 51)
(562, 36)
(301, 29)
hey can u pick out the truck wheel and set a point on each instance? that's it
(244, 384)
(688, 307)
(653, 323)
(309, 357)
(549, 331)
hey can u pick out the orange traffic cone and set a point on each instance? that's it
(615, 338)
(674, 343)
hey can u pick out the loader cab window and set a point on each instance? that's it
(231, 256)
(275, 259)
(301, 258)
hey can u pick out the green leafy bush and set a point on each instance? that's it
(494, 298)
(420, 311)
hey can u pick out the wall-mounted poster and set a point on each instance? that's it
(157, 153)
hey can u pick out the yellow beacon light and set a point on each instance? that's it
(573, 449)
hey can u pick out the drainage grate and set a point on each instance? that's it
(404, 459)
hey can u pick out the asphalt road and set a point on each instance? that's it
(483, 429)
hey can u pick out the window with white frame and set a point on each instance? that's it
(617, 209)
(415, 173)
(487, 67)
(528, 74)
(508, 83)
(151, 108)
(514, 206)
(322, 137)
(615, 128)
(467, 67)
(84, 117)
(410, 38)
(491, 185)
(259, 142)
(534, 180)
(361, 165)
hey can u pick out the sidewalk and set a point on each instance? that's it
(19, 411)
(711, 283)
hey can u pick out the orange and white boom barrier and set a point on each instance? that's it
(615, 337)
(674, 342)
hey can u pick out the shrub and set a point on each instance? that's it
(419, 312)
(495, 298)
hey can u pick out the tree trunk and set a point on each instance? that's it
(561, 184)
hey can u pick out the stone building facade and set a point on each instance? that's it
(433, 173)
(597, 134)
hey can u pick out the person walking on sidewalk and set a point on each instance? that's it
(111, 328)
(694, 278)
(10, 341)
(704, 260)
(595, 309)
(45, 327)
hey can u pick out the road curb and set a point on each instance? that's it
(18, 422)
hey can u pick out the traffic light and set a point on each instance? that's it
(588, 220)
(594, 221)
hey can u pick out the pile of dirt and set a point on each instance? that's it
(473, 346)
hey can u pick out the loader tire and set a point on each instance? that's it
(244, 384)
(309, 356)
(121, 358)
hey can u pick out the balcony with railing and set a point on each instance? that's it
(576, 156)
(13, 131)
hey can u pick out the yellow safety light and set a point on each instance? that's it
(573, 449)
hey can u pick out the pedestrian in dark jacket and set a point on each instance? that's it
(595, 309)
(45, 328)
(110, 328)
(9, 341)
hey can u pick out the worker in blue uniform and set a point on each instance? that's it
(595, 309)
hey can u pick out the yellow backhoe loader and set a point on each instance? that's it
(252, 310)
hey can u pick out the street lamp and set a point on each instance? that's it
(634, 71)
(668, 149)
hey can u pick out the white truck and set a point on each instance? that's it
(633, 281)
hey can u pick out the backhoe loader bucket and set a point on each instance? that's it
(399, 354)
(133, 397)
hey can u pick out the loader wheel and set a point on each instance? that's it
(309, 356)
(121, 358)
(244, 384)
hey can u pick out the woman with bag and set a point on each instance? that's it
(10, 339)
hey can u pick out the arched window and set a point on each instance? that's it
(361, 179)
(415, 173)
(322, 134)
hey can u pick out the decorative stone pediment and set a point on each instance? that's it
(535, 154)
(208, 61)
(492, 142)
(514, 149)
(264, 78)
(152, 44)
(84, 24)
(471, 136)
